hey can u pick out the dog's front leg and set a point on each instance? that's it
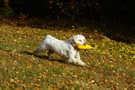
(78, 55)
(77, 60)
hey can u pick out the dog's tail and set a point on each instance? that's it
(48, 36)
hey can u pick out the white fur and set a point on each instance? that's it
(65, 49)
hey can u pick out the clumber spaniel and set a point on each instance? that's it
(66, 49)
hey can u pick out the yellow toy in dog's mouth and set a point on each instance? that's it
(79, 46)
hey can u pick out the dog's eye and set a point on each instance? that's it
(80, 40)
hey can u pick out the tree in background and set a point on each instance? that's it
(115, 10)
(5, 9)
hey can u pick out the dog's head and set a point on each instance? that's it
(78, 39)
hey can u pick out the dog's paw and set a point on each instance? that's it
(50, 58)
(70, 61)
(35, 53)
(82, 64)
(85, 65)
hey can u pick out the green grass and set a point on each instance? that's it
(111, 63)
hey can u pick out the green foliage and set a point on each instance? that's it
(7, 11)
(122, 10)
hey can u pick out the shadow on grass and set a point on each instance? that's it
(118, 31)
(44, 57)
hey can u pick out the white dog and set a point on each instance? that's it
(66, 49)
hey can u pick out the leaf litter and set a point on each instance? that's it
(111, 63)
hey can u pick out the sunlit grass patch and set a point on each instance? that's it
(111, 63)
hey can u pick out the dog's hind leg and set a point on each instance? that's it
(49, 54)
(42, 48)
(36, 52)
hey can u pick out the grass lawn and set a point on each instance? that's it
(111, 63)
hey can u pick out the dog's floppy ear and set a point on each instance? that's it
(73, 40)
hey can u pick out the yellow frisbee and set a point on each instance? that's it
(79, 46)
